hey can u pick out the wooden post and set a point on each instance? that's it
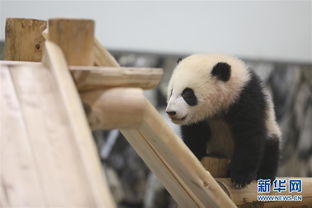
(23, 39)
(76, 39)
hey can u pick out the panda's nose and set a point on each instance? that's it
(171, 113)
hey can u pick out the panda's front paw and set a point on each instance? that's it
(240, 180)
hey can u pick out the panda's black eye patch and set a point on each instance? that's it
(189, 96)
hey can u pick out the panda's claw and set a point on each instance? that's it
(240, 181)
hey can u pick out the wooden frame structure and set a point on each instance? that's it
(115, 99)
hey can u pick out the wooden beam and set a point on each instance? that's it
(54, 60)
(102, 57)
(159, 167)
(183, 165)
(23, 39)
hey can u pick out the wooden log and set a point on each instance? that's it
(23, 39)
(218, 167)
(115, 108)
(247, 197)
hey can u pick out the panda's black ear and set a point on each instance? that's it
(222, 71)
(179, 59)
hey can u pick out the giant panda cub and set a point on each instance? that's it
(224, 110)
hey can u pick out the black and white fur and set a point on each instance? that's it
(224, 110)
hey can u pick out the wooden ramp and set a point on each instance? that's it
(48, 158)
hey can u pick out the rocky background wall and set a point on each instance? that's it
(291, 88)
(134, 186)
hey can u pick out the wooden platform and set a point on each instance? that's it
(48, 158)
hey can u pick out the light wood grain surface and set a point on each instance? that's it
(23, 39)
(48, 158)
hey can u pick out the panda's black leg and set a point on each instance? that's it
(270, 159)
(249, 146)
(196, 137)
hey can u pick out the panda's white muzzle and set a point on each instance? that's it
(177, 109)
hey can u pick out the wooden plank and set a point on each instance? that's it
(108, 77)
(55, 61)
(18, 167)
(51, 138)
(23, 39)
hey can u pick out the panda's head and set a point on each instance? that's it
(204, 85)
